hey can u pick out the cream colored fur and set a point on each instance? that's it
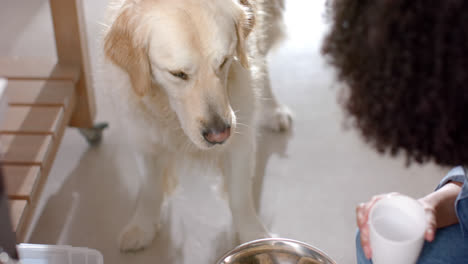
(148, 44)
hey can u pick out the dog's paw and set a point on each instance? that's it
(137, 235)
(277, 118)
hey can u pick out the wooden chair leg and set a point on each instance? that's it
(72, 49)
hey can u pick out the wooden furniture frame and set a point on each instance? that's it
(43, 98)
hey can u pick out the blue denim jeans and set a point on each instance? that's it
(449, 247)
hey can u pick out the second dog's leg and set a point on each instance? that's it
(274, 115)
(142, 228)
(239, 169)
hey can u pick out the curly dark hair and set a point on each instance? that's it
(404, 64)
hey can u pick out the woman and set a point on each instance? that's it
(404, 64)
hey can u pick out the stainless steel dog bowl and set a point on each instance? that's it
(275, 251)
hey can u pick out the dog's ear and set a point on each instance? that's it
(126, 47)
(244, 26)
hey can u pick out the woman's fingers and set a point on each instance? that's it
(431, 226)
(430, 221)
(367, 252)
(361, 220)
(365, 242)
(429, 235)
(361, 217)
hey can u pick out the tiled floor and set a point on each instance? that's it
(313, 176)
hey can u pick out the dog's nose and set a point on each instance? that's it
(217, 135)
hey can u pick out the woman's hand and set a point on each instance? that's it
(362, 215)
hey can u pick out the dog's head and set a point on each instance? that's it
(185, 48)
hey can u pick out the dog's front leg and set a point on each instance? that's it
(239, 169)
(142, 228)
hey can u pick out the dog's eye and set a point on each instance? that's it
(224, 63)
(180, 75)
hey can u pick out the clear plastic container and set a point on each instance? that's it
(46, 254)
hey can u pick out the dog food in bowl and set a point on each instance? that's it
(275, 251)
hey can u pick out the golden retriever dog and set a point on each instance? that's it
(186, 78)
